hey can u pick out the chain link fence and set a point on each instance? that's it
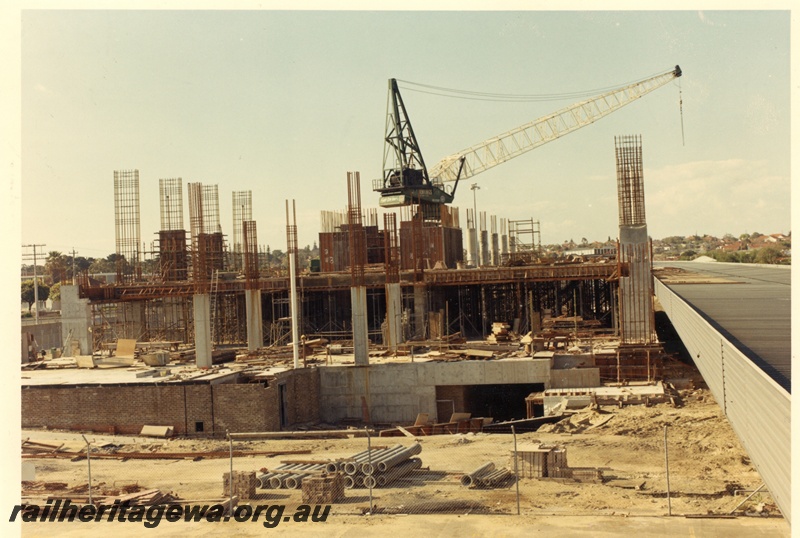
(358, 473)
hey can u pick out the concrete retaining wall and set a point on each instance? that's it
(47, 334)
(574, 378)
(398, 392)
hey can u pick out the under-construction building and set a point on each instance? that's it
(404, 286)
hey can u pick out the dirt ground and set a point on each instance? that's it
(709, 471)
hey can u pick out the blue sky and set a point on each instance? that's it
(284, 103)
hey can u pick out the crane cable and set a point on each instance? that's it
(680, 104)
(507, 97)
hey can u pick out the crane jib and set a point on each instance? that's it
(496, 150)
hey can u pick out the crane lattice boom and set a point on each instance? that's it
(501, 148)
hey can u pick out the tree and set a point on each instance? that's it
(28, 294)
(55, 266)
(55, 291)
(767, 255)
(101, 265)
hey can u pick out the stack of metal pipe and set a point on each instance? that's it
(485, 476)
(379, 467)
(289, 476)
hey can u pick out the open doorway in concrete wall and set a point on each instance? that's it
(501, 402)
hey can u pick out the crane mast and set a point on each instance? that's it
(407, 180)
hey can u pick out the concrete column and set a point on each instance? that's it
(137, 318)
(252, 308)
(293, 309)
(419, 310)
(201, 304)
(76, 315)
(504, 246)
(473, 247)
(495, 250)
(637, 293)
(484, 247)
(358, 305)
(394, 316)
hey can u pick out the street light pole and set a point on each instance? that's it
(474, 187)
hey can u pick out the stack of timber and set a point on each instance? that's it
(244, 484)
(144, 498)
(325, 489)
(500, 333)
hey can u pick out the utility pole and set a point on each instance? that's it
(73, 266)
(35, 281)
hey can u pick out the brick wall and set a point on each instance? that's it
(187, 408)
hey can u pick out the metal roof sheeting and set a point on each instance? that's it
(758, 407)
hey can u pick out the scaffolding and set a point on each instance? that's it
(524, 241)
(127, 225)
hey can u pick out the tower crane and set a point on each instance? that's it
(406, 179)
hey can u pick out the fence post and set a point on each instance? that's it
(369, 460)
(666, 464)
(516, 472)
(230, 475)
(89, 465)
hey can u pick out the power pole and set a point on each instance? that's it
(73, 266)
(35, 281)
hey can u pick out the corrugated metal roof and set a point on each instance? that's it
(754, 314)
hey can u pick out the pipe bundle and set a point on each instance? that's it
(369, 468)
(288, 476)
(379, 467)
(485, 476)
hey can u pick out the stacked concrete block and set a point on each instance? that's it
(325, 489)
(244, 484)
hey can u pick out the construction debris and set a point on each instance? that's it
(166, 455)
(35, 447)
(156, 431)
(459, 423)
(145, 498)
